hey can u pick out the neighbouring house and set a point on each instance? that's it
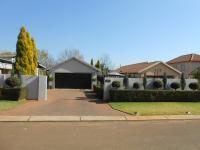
(151, 69)
(7, 61)
(186, 63)
(73, 73)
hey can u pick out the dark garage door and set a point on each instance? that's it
(73, 80)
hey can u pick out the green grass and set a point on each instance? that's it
(158, 108)
(6, 104)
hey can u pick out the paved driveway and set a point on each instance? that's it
(64, 102)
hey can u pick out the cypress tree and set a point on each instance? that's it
(91, 62)
(164, 80)
(145, 81)
(26, 54)
(97, 65)
(183, 82)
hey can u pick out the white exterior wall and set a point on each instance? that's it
(36, 86)
(108, 85)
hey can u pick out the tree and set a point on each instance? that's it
(145, 81)
(97, 65)
(106, 63)
(69, 53)
(46, 59)
(164, 80)
(183, 83)
(91, 62)
(26, 54)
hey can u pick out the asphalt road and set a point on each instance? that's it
(142, 135)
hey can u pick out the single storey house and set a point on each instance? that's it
(73, 73)
(151, 69)
(186, 63)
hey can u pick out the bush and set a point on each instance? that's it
(13, 82)
(116, 84)
(154, 96)
(157, 84)
(136, 85)
(175, 85)
(14, 93)
(193, 86)
(98, 89)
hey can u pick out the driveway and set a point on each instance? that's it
(65, 102)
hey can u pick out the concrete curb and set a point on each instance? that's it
(95, 118)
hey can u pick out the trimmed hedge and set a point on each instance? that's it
(98, 90)
(154, 96)
(13, 93)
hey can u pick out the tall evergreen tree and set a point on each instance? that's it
(97, 65)
(164, 80)
(91, 62)
(183, 82)
(26, 54)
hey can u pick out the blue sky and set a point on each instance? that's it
(129, 31)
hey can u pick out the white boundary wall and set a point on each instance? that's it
(36, 85)
(108, 84)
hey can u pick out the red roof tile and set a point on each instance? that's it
(185, 58)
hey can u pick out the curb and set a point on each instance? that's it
(95, 118)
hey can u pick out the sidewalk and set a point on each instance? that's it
(94, 118)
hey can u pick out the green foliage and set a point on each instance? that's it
(154, 96)
(193, 86)
(91, 62)
(13, 82)
(98, 65)
(14, 93)
(144, 81)
(136, 85)
(116, 84)
(157, 84)
(98, 89)
(164, 80)
(125, 81)
(26, 54)
(175, 85)
(183, 83)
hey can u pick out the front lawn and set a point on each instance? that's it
(158, 108)
(6, 104)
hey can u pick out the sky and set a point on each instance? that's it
(129, 31)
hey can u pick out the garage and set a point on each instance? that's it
(73, 80)
(73, 73)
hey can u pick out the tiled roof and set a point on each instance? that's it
(135, 68)
(185, 58)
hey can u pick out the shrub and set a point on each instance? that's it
(14, 93)
(183, 83)
(144, 81)
(157, 84)
(125, 81)
(175, 85)
(136, 85)
(164, 80)
(13, 82)
(116, 84)
(98, 89)
(120, 95)
(193, 86)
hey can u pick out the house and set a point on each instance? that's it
(7, 61)
(151, 69)
(186, 63)
(73, 73)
